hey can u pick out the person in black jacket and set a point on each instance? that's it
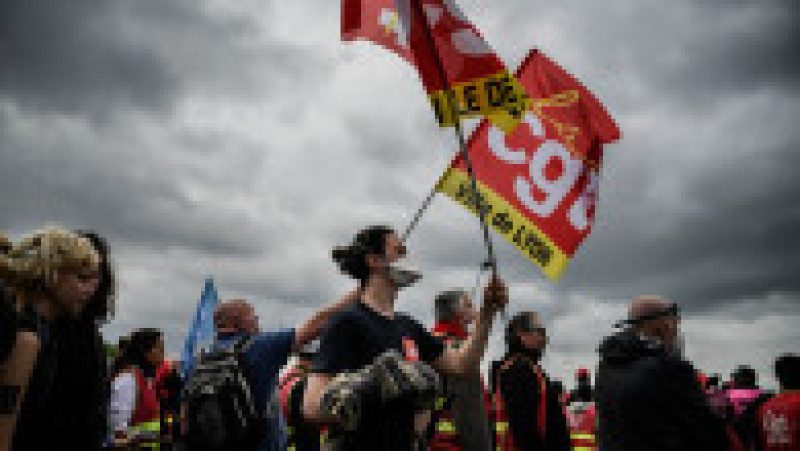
(648, 397)
(78, 413)
(520, 383)
(52, 274)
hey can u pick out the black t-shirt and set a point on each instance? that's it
(29, 433)
(77, 412)
(353, 339)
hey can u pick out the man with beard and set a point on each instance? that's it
(528, 413)
(648, 396)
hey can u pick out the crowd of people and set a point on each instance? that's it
(355, 375)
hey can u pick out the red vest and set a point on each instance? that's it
(147, 407)
(582, 419)
(504, 439)
(779, 422)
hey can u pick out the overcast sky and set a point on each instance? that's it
(243, 140)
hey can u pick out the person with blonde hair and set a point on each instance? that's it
(79, 395)
(47, 275)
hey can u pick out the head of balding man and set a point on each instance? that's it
(655, 317)
(235, 316)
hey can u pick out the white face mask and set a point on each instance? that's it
(403, 275)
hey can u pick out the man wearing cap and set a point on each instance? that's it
(647, 394)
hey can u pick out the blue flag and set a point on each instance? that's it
(202, 332)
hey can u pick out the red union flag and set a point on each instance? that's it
(461, 74)
(538, 185)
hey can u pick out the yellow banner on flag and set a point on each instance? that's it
(506, 220)
(499, 97)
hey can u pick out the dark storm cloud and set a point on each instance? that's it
(113, 181)
(711, 50)
(96, 56)
(71, 56)
(83, 138)
(745, 45)
(720, 229)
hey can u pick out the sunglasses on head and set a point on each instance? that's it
(671, 310)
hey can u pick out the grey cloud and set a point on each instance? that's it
(68, 56)
(738, 240)
(95, 57)
(117, 184)
(749, 45)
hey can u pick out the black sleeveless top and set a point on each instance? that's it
(29, 433)
(8, 322)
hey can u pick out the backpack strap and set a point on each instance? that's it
(239, 348)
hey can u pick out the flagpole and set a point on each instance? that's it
(418, 215)
(462, 142)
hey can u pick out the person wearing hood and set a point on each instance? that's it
(647, 394)
(360, 337)
(528, 413)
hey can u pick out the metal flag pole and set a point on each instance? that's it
(418, 215)
(490, 259)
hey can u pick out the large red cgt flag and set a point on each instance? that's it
(455, 63)
(538, 185)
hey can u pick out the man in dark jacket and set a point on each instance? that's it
(648, 396)
(531, 417)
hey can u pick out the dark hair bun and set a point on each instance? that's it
(351, 261)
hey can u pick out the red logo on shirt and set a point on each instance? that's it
(410, 350)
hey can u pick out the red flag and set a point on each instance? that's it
(455, 63)
(538, 185)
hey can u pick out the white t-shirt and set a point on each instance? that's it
(123, 401)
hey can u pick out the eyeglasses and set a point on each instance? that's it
(525, 327)
(85, 275)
